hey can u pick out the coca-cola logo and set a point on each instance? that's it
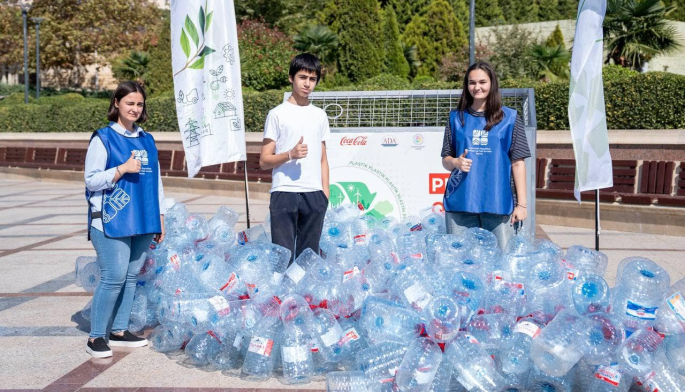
(353, 141)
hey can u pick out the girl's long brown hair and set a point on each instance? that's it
(493, 103)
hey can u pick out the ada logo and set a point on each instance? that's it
(353, 141)
(480, 137)
(389, 141)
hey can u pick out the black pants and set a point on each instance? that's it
(297, 220)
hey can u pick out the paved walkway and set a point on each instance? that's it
(42, 336)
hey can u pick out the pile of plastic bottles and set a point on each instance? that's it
(402, 306)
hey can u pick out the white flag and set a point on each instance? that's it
(586, 111)
(206, 67)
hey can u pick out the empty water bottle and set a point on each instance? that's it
(515, 356)
(473, 366)
(297, 270)
(349, 381)
(296, 356)
(591, 294)
(89, 276)
(557, 348)
(380, 362)
(385, 321)
(442, 319)
(637, 353)
(670, 319)
(601, 336)
(328, 333)
(419, 365)
(259, 358)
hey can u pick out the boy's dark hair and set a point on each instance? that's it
(123, 90)
(307, 62)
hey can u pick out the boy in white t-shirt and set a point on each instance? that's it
(294, 146)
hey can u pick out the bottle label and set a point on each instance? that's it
(466, 384)
(238, 341)
(609, 374)
(315, 347)
(220, 304)
(212, 334)
(677, 304)
(445, 335)
(527, 328)
(417, 294)
(497, 275)
(395, 257)
(361, 239)
(349, 335)
(276, 278)
(295, 273)
(572, 274)
(648, 383)
(230, 284)
(393, 372)
(175, 262)
(416, 256)
(261, 346)
(347, 275)
(251, 289)
(295, 354)
(640, 311)
(471, 338)
(332, 336)
(424, 376)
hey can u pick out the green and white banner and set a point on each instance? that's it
(586, 110)
(206, 67)
(387, 174)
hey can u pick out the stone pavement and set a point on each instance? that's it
(43, 336)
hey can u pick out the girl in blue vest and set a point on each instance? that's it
(484, 147)
(124, 193)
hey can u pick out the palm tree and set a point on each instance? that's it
(319, 41)
(552, 61)
(132, 67)
(637, 30)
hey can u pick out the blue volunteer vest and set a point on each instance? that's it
(487, 187)
(131, 207)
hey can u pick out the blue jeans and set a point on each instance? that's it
(498, 224)
(120, 261)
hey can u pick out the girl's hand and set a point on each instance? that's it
(158, 238)
(520, 213)
(130, 166)
(463, 163)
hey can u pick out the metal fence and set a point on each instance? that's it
(406, 110)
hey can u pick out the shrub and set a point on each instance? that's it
(384, 82)
(265, 55)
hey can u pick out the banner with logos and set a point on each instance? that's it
(206, 67)
(387, 174)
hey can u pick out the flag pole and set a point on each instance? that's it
(247, 196)
(597, 219)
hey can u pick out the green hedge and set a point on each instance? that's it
(654, 100)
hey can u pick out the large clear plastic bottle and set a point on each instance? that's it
(541, 381)
(670, 319)
(591, 294)
(636, 356)
(296, 356)
(259, 358)
(473, 366)
(298, 269)
(353, 340)
(558, 346)
(322, 280)
(642, 286)
(412, 286)
(605, 378)
(602, 335)
(385, 321)
(515, 356)
(674, 352)
(328, 333)
(443, 376)
(348, 381)
(442, 319)
(380, 362)
(169, 337)
(493, 330)
(419, 365)
(411, 248)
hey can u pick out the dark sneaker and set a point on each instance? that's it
(98, 348)
(127, 340)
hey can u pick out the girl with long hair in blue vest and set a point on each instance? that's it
(124, 193)
(484, 149)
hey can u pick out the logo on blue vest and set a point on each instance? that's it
(480, 137)
(114, 202)
(141, 155)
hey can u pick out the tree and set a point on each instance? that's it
(488, 13)
(409, 52)
(394, 62)
(132, 67)
(527, 11)
(79, 33)
(568, 9)
(461, 11)
(511, 55)
(289, 16)
(360, 54)
(319, 41)
(679, 13)
(548, 10)
(406, 10)
(552, 62)
(435, 32)
(265, 54)
(556, 38)
(159, 76)
(635, 31)
(11, 45)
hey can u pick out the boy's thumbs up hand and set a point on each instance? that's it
(463, 163)
(300, 150)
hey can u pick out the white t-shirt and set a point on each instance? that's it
(285, 124)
